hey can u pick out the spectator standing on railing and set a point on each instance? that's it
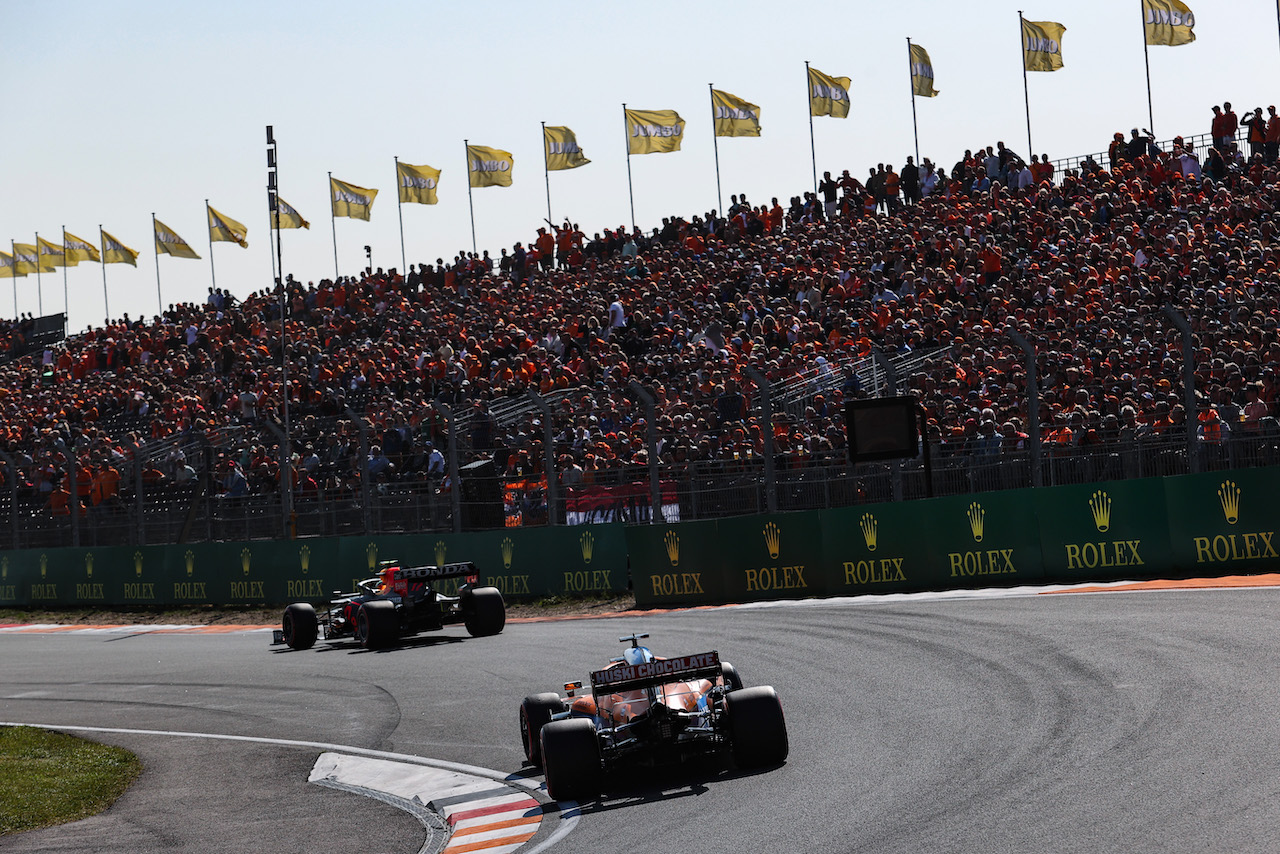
(1257, 132)
(1272, 147)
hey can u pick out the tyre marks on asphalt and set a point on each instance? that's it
(481, 814)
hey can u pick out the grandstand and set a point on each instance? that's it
(171, 429)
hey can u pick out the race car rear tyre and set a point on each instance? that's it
(376, 624)
(732, 680)
(757, 728)
(571, 759)
(483, 611)
(535, 713)
(301, 628)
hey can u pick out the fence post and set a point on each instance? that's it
(770, 472)
(549, 453)
(138, 502)
(286, 475)
(73, 475)
(1188, 385)
(366, 513)
(455, 486)
(655, 487)
(1033, 405)
(13, 494)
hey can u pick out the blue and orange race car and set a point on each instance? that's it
(401, 601)
(649, 710)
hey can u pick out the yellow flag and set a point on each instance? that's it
(922, 72)
(1042, 45)
(351, 201)
(489, 167)
(653, 131)
(417, 183)
(562, 149)
(115, 252)
(27, 260)
(7, 266)
(75, 250)
(222, 227)
(169, 243)
(828, 96)
(288, 216)
(734, 116)
(1168, 22)
(51, 254)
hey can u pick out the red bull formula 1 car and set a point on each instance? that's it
(400, 602)
(649, 710)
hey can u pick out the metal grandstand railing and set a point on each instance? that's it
(1198, 144)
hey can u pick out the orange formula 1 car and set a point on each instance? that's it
(649, 710)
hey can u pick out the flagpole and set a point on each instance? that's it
(546, 166)
(333, 223)
(715, 144)
(631, 193)
(106, 304)
(155, 243)
(470, 202)
(39, 283)
(404, 264)
(1026, 88)
(813, 148)
(915, 127)
(14, 249)
(272, 217)
(66, 303)
(212, 273)
(1146, 58)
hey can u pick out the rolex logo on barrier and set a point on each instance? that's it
(44, 591)
(1100, 507)
(89, 590)
(775, 578)
(508, 548)
(304, 588)
(139, 590)
(672, 541)
(441, 551)
(304, 558)
(772, 537)
(137, 564)
(88, 565)
(190, 557)
(1229, 496)
(371, 556)
(1229, 548)
(986, 562)
(587, 541)
(245, 557)
(977, 518)
(868, 526)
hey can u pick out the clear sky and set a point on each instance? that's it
(118, 110)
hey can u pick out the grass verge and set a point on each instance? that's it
(49, 778)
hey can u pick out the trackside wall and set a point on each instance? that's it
(1206, 524)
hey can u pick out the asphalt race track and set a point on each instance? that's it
(1136, 722)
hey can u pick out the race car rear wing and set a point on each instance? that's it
(445, 570)
(649, 674)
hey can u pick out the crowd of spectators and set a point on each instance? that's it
(918, 261)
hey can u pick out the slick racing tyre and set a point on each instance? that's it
(757, 728)
(376, 624)
(571, 759)
(535, 713)
(483, 611)
(301, 628)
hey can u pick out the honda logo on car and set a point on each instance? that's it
(652, 669)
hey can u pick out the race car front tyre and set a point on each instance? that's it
(376, 624)
(535, 713)
(571, 759)
(483, 611)
(757, 728)
(301, 628)
(732, 680)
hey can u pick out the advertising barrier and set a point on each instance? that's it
(1192, 525)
